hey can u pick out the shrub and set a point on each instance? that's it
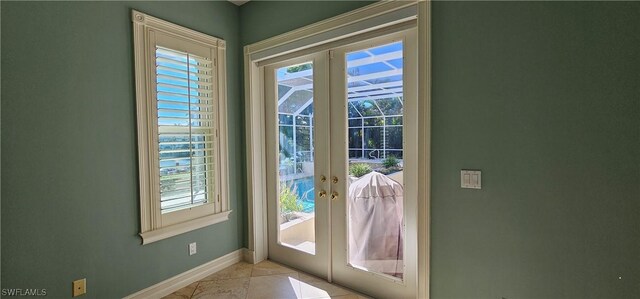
(298, 68)
(359, 169)
(390, 161)
(289, 200)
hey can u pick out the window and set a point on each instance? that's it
(181, 104)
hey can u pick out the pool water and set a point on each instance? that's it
(304, 189)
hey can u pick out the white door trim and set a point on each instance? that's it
(365, 19)
(424, 148)
(255, 125)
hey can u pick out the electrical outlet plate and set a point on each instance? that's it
(192, 248)
(79, 287)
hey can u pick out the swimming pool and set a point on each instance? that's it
(304, 189)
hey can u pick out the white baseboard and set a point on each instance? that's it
(188, 277)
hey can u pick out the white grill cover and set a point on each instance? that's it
(375, 223)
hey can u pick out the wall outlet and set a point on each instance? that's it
(79, 287)
(192, 248)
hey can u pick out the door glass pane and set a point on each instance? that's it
(375, 214)
(296, 157)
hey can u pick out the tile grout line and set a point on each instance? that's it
(194, 289)
(249, 285)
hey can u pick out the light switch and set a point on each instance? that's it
(474, 180)
(471, 179)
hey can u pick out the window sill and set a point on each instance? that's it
(180, 228)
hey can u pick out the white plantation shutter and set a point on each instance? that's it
(186, 129)
(181, 101)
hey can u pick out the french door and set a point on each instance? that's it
(341, 142)
(297, 133)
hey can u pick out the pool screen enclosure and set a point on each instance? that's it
(375, 108)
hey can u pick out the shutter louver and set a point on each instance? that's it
(186, 129)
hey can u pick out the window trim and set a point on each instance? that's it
(151, 228)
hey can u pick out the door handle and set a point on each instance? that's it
(334, 179)
(323, 179)
(322, 194)
(334, 195)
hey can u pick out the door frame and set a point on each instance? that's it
(365, 20)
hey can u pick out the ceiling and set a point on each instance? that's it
(238, 2)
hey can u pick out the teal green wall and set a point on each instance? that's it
(69, 163)
(264, 19)
(544, 98)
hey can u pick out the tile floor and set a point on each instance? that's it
(266, 280)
